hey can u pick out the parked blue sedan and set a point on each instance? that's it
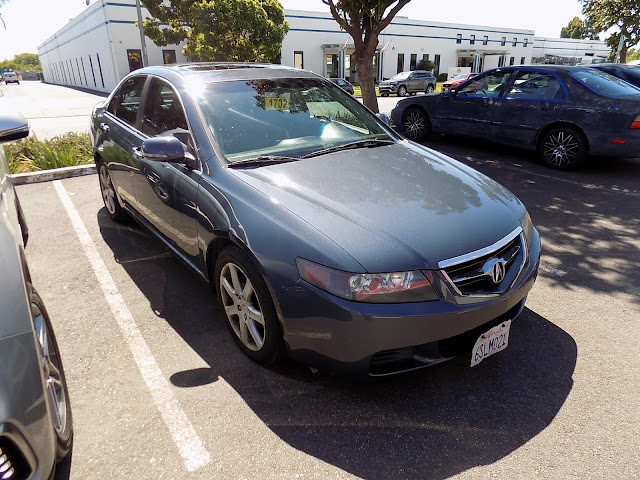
(565, 113)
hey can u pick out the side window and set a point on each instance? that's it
(163, 112)
(489, 85)
(535, 85)
(126, 101)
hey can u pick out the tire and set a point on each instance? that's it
(430, 89)
(413, 94)
(402, 91)
(416, 124)
(384, 94)
(562, 148)
(57, 393)
(250, 314)
(109, 196)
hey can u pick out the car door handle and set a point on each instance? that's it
(104, 127)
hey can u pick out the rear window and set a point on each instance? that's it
(604, 84)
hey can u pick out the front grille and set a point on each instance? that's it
(13, 465)
(472, 277)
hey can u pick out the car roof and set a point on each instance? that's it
(224, 71)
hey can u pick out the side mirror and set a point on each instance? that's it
(13, 127)
(384, 117)
(165, 149)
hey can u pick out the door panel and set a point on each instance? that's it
(532, 101)
(166, 192)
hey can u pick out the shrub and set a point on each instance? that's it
(442, 77)
(31, 154)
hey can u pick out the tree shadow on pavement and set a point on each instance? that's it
(429, 424)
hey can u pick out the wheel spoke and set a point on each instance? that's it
(234, 279)
(243, 331)
(229, 289)
(247, 291)
(257, 339)
(256, 316)
(231, 310)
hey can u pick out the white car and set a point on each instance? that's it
(10, 77)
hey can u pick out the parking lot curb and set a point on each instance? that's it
(49, 175)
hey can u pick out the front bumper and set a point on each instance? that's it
(378, 339)
(387, 89)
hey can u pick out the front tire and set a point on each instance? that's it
(402, 91)
(416, 124)
(430, 89)
(562, 148)
(248, 307)
(57, 393)
(109, 197)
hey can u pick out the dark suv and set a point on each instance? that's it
(409, 82)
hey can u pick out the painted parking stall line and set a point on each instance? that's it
(184, 435)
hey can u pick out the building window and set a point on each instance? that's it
(436, 69)
(400, 63)
(503, 42)
(515, 41)
(135, 59)
(485, 40)
(79, 76)
(512, 60)
(100, 70)
(70, 68)
(84, 72)
(93, 74)
(521, 60)
(413, 61)
(526, 42)
(425, 57)
(298, 60)
(500, 61)
(472, 39)
(459, 38)
(331, 60)
(169, 56)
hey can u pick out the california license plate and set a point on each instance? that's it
(493, 341)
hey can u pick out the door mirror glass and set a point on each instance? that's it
(13, 127)
(384, 117)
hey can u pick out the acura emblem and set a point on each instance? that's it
(495, 269)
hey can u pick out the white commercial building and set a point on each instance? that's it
(101, 45)
(569, 50)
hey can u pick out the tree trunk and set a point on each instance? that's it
(364, 66)
(623, 53)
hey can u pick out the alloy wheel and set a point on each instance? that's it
(242, 307)
(561, 148)
(108, 193)
(55, 394)
(415, 125)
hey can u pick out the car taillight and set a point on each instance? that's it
(636, 122)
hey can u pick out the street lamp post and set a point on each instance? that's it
(143, 43)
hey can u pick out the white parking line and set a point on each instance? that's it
(184, 435)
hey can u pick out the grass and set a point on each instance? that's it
(32, 155)
(358, 93)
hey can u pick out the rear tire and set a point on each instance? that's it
(416, 124)
(563, 148)
(384, 94)
(109, 196)
(248, 307)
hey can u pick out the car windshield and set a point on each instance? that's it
(462, 76)
(401, 76)
(603, 83)
(289, 117)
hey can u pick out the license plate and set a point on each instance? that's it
(493, 341)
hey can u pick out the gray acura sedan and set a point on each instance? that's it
(35, 415)
(326, 235)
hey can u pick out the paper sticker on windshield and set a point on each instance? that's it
(276, 103)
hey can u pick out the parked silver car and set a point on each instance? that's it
(35, 415)
(409, 83)
(10, 77)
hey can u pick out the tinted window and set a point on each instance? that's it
(603, 83)
(487, 85)
(163, 111)
(289, 117)
(126, 101)
(535, 85)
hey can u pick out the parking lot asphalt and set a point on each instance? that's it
(148, 355)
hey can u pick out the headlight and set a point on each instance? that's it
(395, 287)
(527, 226)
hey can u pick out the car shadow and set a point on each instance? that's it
(432, 423)
(587, 218)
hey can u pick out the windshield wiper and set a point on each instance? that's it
(349, 146)
(262, 161)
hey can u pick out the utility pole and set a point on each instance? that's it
(143, 43)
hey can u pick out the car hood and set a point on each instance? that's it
(397, 207)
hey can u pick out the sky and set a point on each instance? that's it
(30, 22)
